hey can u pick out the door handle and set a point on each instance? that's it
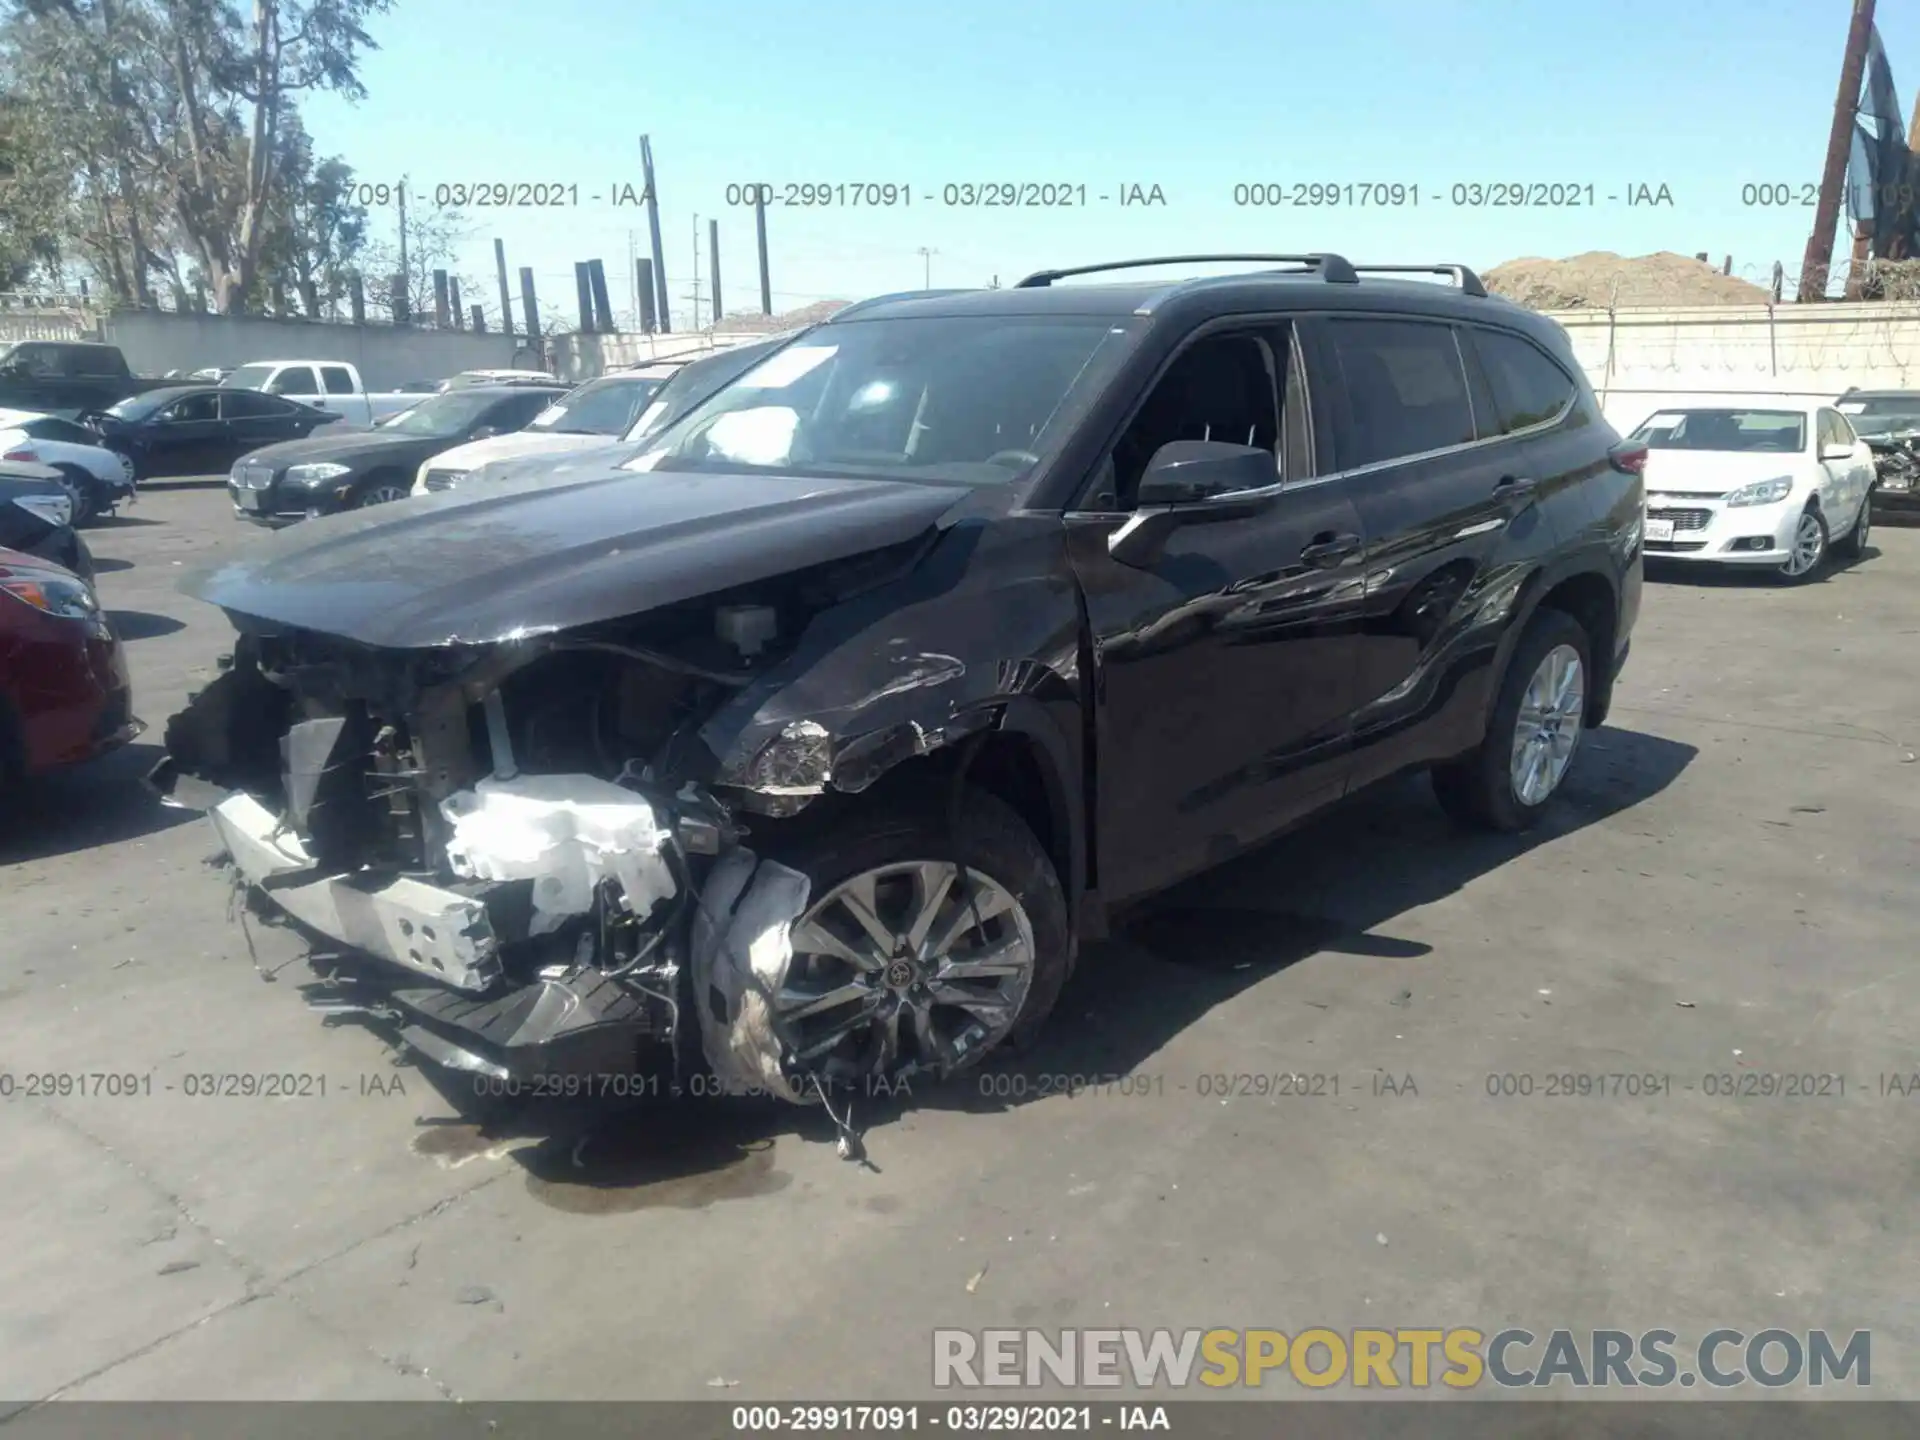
(1329, 549)
(1514, 485)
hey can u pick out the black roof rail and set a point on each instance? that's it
(1469, 283)
(1332, 268)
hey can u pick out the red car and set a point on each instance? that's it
(64, 692)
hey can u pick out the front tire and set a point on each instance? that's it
(1853, 545)
(1532, 735)
(899, 972)
(382, 491)
(1806, 550)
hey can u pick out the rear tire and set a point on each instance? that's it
(1483, 789)
(79, 486)
(991, 842)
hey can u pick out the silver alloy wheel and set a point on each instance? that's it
(1865, 523)
(903, 970)
(382, 493)
(1809, 543)
(77, 500)
(1552, 710)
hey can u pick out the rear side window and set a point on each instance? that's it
(1528, 388)
(249, 405)
(92, 360)
(1405, 386)
(337, 378)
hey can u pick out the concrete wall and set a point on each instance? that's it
(1640, 360)
(155, 342)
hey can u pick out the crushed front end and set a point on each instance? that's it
(481, 819)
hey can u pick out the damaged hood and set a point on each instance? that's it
(496, 562)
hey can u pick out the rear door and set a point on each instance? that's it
(297, 381)
(342, 394)
(1225, 669)
(1438, 487)
(251, 420)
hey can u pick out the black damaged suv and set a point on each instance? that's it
(984, 612)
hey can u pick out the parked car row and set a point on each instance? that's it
(1762, 483)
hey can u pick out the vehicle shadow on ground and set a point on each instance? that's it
(1165, 968)
(1736, 577)
(143, 624)
(103, 803)
(110, 567)
(1331, 888)
(120, 522)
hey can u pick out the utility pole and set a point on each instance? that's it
(926, 256)
(695, 321)
(402, 200)
(760, 235)
(653, 232)
(1818, 260)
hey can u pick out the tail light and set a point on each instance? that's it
(29, 455)
(1629, 457)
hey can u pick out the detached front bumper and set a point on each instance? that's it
(1708, 530)
(438, 933)
(448, 995)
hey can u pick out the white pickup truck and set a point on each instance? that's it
(326, 384)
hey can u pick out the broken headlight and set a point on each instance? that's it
(797, 761)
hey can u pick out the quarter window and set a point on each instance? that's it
(1528, 388)
(1405, 386)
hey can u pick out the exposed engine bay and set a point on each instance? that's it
(550, 832)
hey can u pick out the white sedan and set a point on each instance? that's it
(97, 479)
(1769, 483)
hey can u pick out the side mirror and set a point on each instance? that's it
(1194, 482)
(1187, 472)
(1836, 451)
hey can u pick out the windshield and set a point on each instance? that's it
(693, 383)
(1902, 405)
(442, 416)
(1889, 423)
(600, 407)
(1779, 431)
(968, 398)
(250, 377)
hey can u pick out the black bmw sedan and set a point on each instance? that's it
(345, 469)
(200, 429)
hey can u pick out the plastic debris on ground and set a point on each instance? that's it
(566, 833)
(742, 949)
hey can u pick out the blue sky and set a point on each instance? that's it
(1195, 96)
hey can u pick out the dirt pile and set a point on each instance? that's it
(1588, 282)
